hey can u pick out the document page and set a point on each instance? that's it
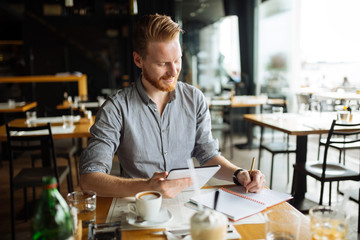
(237, 204)
(267, 196)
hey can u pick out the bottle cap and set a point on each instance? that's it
(49, 182)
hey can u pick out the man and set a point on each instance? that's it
(155, 125)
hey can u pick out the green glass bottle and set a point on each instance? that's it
(52, 219)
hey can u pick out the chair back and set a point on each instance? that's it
(27, 139)
(345, 134)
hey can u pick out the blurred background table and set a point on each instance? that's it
(81, 129)
(301, 126)
(18, 107)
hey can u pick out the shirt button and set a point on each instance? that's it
(155, 109)
(165, 153)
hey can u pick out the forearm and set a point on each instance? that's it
(254, 183)
(112, 186)
(227, 168)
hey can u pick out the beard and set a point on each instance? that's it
(159, 83)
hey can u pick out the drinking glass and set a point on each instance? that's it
(85, 203)
(343, 116)
(277, 112)
(328, 222)
(30, 117)
(282, 224)
(11, 103)
(68, 121)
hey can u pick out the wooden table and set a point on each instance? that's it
(343, 96)
(81, 129)
(248, 101)
(73, 106)
(247, 231)
(80, 79)
(252, 101)
(6, 111)
(245, 101)
(18, 107)
(299, 125)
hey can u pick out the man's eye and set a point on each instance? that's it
(178, 61)
(161, 64)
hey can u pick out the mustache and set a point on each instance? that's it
(167, 77)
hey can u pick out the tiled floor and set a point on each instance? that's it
(241, 158)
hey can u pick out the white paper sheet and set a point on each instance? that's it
(54, 130)
(237, 204)
(52, 119)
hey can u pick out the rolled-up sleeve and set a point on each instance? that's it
(106, 131)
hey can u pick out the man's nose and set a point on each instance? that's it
(173, 69)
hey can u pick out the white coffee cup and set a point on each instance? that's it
(147, 205)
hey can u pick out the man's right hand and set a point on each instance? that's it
(168, 188)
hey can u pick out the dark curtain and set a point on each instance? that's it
(244, 9)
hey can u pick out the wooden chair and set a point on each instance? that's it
(21, 140)
(327, 171)
(64, 148)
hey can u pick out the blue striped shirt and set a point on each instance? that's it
(129, 125)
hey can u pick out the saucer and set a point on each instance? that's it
(164, 217)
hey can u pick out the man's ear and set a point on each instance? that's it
(137, 59)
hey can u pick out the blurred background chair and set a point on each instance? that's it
(276, 147)
(279, 146)
(271, 103)
(23, 141)
(340, 147)
(331, 171)
(303, 102)
(67, 149)
(221, 123)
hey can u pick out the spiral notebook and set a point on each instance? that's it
(237, 204)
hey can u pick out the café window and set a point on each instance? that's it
(219, 56)
(329, 42)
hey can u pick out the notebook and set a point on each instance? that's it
(237, 204)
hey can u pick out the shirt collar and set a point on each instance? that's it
(145, 97)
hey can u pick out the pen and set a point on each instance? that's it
(251, 169)
(216, 199)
